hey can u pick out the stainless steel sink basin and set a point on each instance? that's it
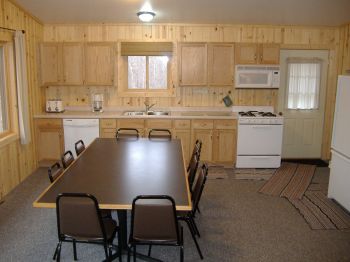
(158, 113)
(143, 113)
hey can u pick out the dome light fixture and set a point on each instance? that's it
(146, 16)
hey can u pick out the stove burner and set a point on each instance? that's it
(256, 113)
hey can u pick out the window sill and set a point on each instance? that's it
(8, 138)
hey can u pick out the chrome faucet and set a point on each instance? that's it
(148, 106)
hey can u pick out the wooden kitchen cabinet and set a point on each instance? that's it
(182, 131)
(61, 63)
(158, 124)
(203, 130)
(193, 64)
(224, 141)
(108, 128)
(49, 140)
(220, 64)
(249, 53)
(99, 63)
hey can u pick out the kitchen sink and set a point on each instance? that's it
(158, 113)
(143, 113)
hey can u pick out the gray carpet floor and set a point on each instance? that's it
(236, 222)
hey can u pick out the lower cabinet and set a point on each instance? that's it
(138, 124)
(49, 140)
(108, 128)
(203, 130)
(182, 131)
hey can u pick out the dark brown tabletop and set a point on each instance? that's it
(116, 171)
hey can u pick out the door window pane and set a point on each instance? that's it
(303, 85)
(158, 70)
(136, 72)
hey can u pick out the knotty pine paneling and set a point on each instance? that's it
(18, 161)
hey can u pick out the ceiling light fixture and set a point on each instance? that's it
(146, 16)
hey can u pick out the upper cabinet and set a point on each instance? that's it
(77, 64)
(220, 64)
(193, 64)
(99, 64)
(202, 64)
(247, 53)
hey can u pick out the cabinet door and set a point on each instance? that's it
(50, 63)
(220, 64)
(99, 64)
(246, 54)
(72, 60)
(193, 64)
(185, 137)
(269, 54)
(205, 135)
(224, 146)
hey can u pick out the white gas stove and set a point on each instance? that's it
(259, 140)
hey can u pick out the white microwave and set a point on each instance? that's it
(257, 76)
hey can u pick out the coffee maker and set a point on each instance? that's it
(97, 103)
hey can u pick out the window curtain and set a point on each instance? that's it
(22, 88)
(303, 83)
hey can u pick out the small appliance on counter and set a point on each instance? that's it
(97, 103)
(54, 106)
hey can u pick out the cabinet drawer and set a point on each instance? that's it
(108, 123)
(131, 123)
(225, 124)
(108, 133)
(202, 124)
(158, 123)
(182, 124)
(49, 123)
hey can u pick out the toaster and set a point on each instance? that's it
(54, 106)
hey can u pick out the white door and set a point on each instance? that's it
(302, 101)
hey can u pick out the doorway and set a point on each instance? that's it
(301, 99)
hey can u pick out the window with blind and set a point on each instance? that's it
(303, 83)
(147, 68)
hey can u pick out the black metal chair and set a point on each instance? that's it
(127, 133)
(54, 171)
(193, 167)
(67, 159)
(154, 222)
(158, 133)
(79, 147)
(196, 151)
(188, 216)
(79, 221)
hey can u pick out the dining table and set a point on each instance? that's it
(115, 171)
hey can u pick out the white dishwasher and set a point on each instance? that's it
(76, 129)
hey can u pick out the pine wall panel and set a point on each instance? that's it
(18, 161)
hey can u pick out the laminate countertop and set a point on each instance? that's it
(173, 114)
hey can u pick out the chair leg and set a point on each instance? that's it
(106, 251)
(149, 250)
(194, 239)
(75, 250)
(134, 255)
(181, 253)
(58, 257)
(195, 227)
(56, 250)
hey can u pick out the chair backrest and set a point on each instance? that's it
(199, 186)
(193, 167)
(54, 171)
(196, 152)
(79, 147)
(153, 220)
(79, 217)
(127, 133)
(67, 159)
(159, 134)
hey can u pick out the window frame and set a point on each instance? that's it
(124, 91)
(11, 133)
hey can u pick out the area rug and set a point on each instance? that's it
(277, 183)
(321, 212)
(217, 172)
(254, 173)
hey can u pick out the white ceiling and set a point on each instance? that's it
(284, 12)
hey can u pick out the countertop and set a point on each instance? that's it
(178, 113)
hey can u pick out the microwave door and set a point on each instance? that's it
(257, 79)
